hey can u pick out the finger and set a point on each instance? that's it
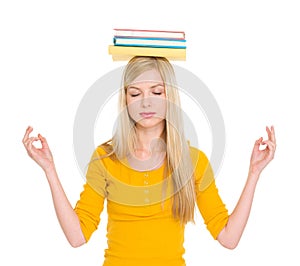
(271, 145)
(43, 141)
(30, 140)
(270, 150)
(257, 143)
(27, 132)
(29, 143)
(271, 134)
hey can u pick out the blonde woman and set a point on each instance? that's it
(150, 177)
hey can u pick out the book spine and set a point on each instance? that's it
(120, 53)
(149, 33)
(149, 42)
(149, 38)
(130, 50)
(152, 46)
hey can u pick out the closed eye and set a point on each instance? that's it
(134, 95)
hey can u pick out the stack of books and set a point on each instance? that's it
(134, 42)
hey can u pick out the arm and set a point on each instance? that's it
(229, 237)
(66, 215)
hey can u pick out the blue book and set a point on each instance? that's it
(149, 42)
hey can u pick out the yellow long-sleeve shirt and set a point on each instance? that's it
(141, 229)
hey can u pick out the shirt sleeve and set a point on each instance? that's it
(209, 202)
(90, 205)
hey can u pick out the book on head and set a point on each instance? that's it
(149, 33)
(124, 53)
(150, 42)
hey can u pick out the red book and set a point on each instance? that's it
(180, 35)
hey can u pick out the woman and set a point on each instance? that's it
(150, 176)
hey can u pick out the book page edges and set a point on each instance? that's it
(121, 53)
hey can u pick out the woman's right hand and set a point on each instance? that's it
(42, 156)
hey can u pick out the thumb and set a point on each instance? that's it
(258, 143)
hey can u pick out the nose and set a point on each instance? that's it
(146, 101)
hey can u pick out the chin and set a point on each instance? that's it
(150, 123)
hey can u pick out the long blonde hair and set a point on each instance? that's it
(179, 163)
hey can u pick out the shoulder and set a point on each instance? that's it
(101, 157)
(198, 157)
(105, 150)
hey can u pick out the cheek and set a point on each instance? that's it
(129, 104)
(132, 108)
(161, 107)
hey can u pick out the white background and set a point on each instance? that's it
(246, 52)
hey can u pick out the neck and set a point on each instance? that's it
(150, 149)
(150, 140)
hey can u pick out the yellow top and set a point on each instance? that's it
(141, 229)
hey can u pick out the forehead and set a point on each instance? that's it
(148, 76)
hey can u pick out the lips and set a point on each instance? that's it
(147, 114)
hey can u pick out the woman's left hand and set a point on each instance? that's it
(260, 158)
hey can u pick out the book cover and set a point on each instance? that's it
(149, 33)
(124, 53)
(150, 42)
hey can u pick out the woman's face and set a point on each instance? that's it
(146, 100)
